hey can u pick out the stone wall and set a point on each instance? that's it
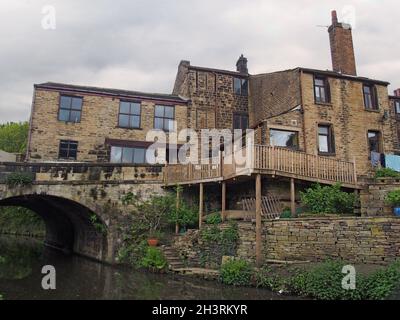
(349, 119)
(354, 239)
(372, 198)
(99, 121)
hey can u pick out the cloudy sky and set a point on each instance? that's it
(137, 44)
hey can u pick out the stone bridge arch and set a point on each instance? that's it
(74, 222)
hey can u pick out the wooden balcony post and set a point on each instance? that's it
(201, 195)
(223, 204)
(258, 221)
(177, 208)
(292, 197)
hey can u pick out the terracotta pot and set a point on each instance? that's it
(152, 242)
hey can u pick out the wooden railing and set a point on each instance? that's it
(304, 165)
(270, 160)
(178, 173)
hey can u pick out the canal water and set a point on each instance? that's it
(21, 261)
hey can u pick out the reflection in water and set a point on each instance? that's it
(79, 278)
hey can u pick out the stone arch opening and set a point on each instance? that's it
(70, 226)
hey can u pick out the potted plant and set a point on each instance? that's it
(154, 238)
(393, 198)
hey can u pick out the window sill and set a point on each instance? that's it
(326, 154)
(372, 110)
(67, 122)
(126, 128)
(328, 104)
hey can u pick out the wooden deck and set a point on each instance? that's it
(267, 160)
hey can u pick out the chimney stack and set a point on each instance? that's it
(342, 49)
(241, 65)
(397, 92)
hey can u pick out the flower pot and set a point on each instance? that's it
(396, 211)
(152, 242)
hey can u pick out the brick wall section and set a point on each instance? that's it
(372, 198)
(354, 239)
(350, 120)
(99, 120)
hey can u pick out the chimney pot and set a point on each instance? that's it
(241, 65)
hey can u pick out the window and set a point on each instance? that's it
(326, 142)
(129, 115)
(321, 90)
(70, 109)
(397, 107)
(68, 150)
(240, 121)
(164, 118)
(374, 138)
(283, 138)
(128, 155)
(240, 86)
(370, 97)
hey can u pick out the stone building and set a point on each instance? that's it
(336, 114)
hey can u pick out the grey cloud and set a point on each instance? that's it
(138, 44)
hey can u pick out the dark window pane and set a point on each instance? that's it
(75, 116)
(135, 108)
(116, 154)
(77, 103)
(169, 112)
(124, 107)
(63, 154)
(124, 121)
(139, 155)
(63, 115)
(323, 130)
(367, 90)
(319, 82)
(159, 123)
(236, 122)
(159, 111)
(135, 122)
(245, 87)
(245, 122)
(237, 85)
(65, 102)
(397, 106)
(127, 155)
(72, 154)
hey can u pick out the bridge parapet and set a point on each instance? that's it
(83, 172)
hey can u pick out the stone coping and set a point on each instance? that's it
(330, 218)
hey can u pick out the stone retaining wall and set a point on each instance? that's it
(355, 239)
(372, 198)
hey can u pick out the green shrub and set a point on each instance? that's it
(386, 172)
(132, 252)
(1, 297)
(154, 259)
(266, 278)
(19, 179)
(286, 214)
(328, 199)
(236, 272)
(213, 218)
(324, 281)
(393, 197)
